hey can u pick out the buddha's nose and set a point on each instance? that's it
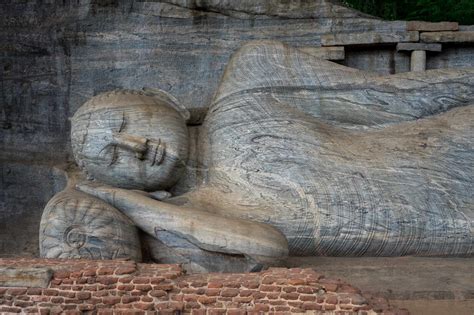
(136, 144)
(143, 147)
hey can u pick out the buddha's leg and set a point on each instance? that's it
(338, 94)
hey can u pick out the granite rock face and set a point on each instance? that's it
(57, 55)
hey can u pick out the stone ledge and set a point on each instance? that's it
(368, 38)
(447, 37)
(418, 46)
(432, 27)
(126, 287)
(327, 53)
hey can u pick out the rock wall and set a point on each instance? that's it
(57, 54)
(113, 287)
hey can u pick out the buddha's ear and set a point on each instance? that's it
(169, 99)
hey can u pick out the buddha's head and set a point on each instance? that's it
(131, 139)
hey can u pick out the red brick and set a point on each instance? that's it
(289, 289)
(132, 312)
(40, 298)
(215, 285)
(130, 299)
(75, 274)
(67, 281)
(290, 296)
(232, 284)
(305, 289)
(246, 299)
(143, 306)
(44, 311)
(50, 292)
(61, 274)
(199, 312)
(17, 291)
(270, 288)
(261, 308)
(141, 280)
(164, 286)
(143, 287)
(199, 283)
(213, 292)
(229, 292)
(85, 307)
(125, 270)
(281, 308)
(207, 300)
(126, 279)
(100, 293)
(156, 280)
(10, 309)
(269, 280)
(89, 272)
(111, 300)
(329, 307)
(57, 300)
(83, 295)
(157, 293)
(189, 290)
(33, 291)
(3, 290)
(146, 299)
(190, 297)
(331, 299)
(106, 271)
(252, 284)
(82, 280)
(259, 295)
(216, 311)
(125, 287)
(307, 298)
(68, 294)
(330, 287)
(107, 280)
(310, 306)
(23, 304)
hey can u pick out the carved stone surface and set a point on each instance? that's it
(206, 230)
(342, 162)
(58, 54)
(394, 187)
(118, 137)
(77, 225)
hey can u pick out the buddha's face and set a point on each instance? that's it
(130, 141)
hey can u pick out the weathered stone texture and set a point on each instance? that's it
(418, 46)
(25, 277)
(448, 37)
(328, 53)
(432, 27)
(368, 38)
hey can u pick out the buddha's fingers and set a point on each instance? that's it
(207, 230)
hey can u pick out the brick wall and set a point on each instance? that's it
(126, 287)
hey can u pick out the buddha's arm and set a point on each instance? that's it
(204, 229)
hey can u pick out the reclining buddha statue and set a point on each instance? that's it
(297, 156)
